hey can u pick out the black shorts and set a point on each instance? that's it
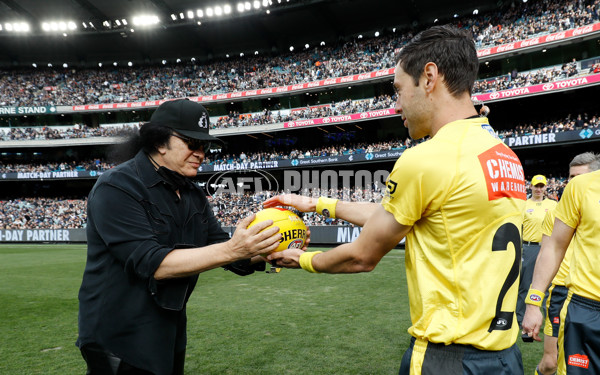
(557, 294)
(579, 337)
(425, 358)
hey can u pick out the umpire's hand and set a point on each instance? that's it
(532, 321)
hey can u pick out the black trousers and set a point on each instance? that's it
(530, 253)
(102, 362)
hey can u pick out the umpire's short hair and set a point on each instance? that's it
(451, 49)
(587, 158)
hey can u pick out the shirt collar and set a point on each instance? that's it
(148, 173)
(146, 170)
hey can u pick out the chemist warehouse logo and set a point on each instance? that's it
(503, 173)
(579, 360)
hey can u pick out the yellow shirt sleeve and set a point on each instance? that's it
(412, 177)
(548, 223)
(568, 208)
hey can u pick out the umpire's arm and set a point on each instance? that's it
(548, 261)
(353, 212)
(380, 234)
(551, 255)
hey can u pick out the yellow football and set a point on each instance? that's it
(291, 227)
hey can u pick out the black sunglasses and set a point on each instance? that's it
(194, 144)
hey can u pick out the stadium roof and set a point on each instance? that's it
(177, 35)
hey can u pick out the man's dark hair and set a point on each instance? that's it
(149, 138)
(153, 136)
(451, 49)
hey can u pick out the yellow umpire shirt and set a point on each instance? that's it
(463, 193)
(563, 271)
(579, 208)
(533, 217)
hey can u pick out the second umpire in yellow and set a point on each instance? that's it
(533, 217)
(577, 222)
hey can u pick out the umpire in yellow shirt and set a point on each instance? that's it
(533, 217)
(577, 222)
(557, 292)
(458, 198)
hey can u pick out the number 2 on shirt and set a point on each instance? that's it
(507, 233)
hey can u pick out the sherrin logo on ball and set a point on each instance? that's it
(291, 227)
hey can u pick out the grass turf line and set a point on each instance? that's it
(292, 322)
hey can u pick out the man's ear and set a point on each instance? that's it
(431, 76)
(162, 149)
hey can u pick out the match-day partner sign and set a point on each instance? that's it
(42, 235)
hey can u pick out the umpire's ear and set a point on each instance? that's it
(430, 77)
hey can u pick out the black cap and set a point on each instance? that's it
(186, 117)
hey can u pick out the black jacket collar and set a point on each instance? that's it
(145, 169)
(150, 176)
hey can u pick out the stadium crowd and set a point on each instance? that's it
(332, 150)
(85, 165)
(571, 122)
(530, 19)
(43, 213)
(296, 153)
(233, 119)
(348, 106)
(515, 79)
(228, 207)
(578, 122)
(56, 213)
(74, 86)
(70, 86)
(63, 132)
(345, 107)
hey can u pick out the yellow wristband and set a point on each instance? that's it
(534, 297)
(306, 261)
(326, 207)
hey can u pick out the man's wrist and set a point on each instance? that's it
(313, 205)
(534, 297)
(326, 207)
(231, 250)
(306, 261)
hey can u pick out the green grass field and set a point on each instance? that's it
(292, 322)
